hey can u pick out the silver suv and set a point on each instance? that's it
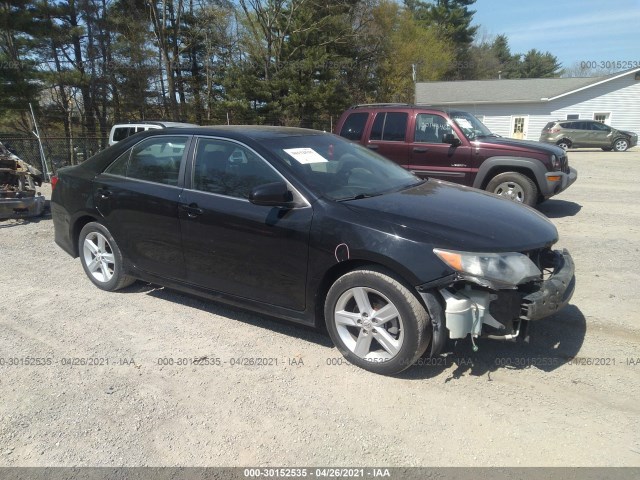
(587, 133)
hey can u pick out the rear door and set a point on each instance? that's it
(138, 197)
(236, 247)
(389, 135)
(431, 157)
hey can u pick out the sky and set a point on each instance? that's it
(574, 31)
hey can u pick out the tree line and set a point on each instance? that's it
(86, 64)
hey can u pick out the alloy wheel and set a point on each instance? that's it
(98, 257)
(369, 324)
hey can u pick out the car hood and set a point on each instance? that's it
(630, 134)
(457, 217)
(515, 144)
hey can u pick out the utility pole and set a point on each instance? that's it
(43, 160)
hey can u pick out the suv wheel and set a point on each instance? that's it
(564, 144)
(376, 322)
(620, 145)
(514, 186)
(101, 258)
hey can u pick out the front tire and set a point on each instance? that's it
(376, 322)
(101, 258)
(514, 186)
(621, 145)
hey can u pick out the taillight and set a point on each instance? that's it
(554, 130)
(54, 181)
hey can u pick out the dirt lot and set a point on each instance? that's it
(504, 405)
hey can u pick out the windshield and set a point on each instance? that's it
(338, 169)
(470, 125)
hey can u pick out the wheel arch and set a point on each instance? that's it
(344, 267)
(77, 227)
(566, 140)
(534, 169)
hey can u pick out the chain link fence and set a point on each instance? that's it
(58, 151)
(61, 151)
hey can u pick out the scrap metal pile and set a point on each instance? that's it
(18, 181)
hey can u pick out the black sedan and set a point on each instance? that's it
(312, 228)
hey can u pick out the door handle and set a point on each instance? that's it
(192, 210)
(372, 147)
(420, 149)
(103, 193)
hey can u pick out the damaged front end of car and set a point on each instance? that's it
(495, 295)
(18, 181)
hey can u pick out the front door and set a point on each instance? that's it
(431, 157)
(519, 126)
(236, 247)
(600, 135)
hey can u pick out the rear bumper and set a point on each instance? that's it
(557, 182)
(21, 207)
(554, 293)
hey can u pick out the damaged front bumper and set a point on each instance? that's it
(554, 293)
(480, 310)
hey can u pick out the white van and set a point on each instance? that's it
(120, 131)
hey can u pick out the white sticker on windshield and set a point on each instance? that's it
(464, 123)
(305, 155)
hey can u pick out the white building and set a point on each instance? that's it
(521, 108)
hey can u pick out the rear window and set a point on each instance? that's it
(391, 127)
(353, 127)
(122, 133)
(549, 126)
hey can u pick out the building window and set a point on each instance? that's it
(602, 117)
(573, 116)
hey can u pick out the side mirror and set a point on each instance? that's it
(275, 194)
(451, 139)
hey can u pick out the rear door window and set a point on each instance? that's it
(390, 127)
(157, 159)
(353, 126)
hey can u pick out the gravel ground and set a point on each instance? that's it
(507, 404)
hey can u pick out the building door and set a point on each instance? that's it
(519, 126)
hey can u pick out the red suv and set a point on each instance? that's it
(457, 147)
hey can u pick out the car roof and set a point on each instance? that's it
(577, 120)
(160, 123)
(403, 106)
(253, 132)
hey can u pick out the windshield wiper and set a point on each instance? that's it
(360, 196)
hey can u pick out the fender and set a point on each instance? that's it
(536, 167)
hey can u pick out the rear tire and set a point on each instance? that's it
(101, 258)
(564, 144)
(514, 186)
(376, 322)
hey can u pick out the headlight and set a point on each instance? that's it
(555, 162)
(506, 268)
